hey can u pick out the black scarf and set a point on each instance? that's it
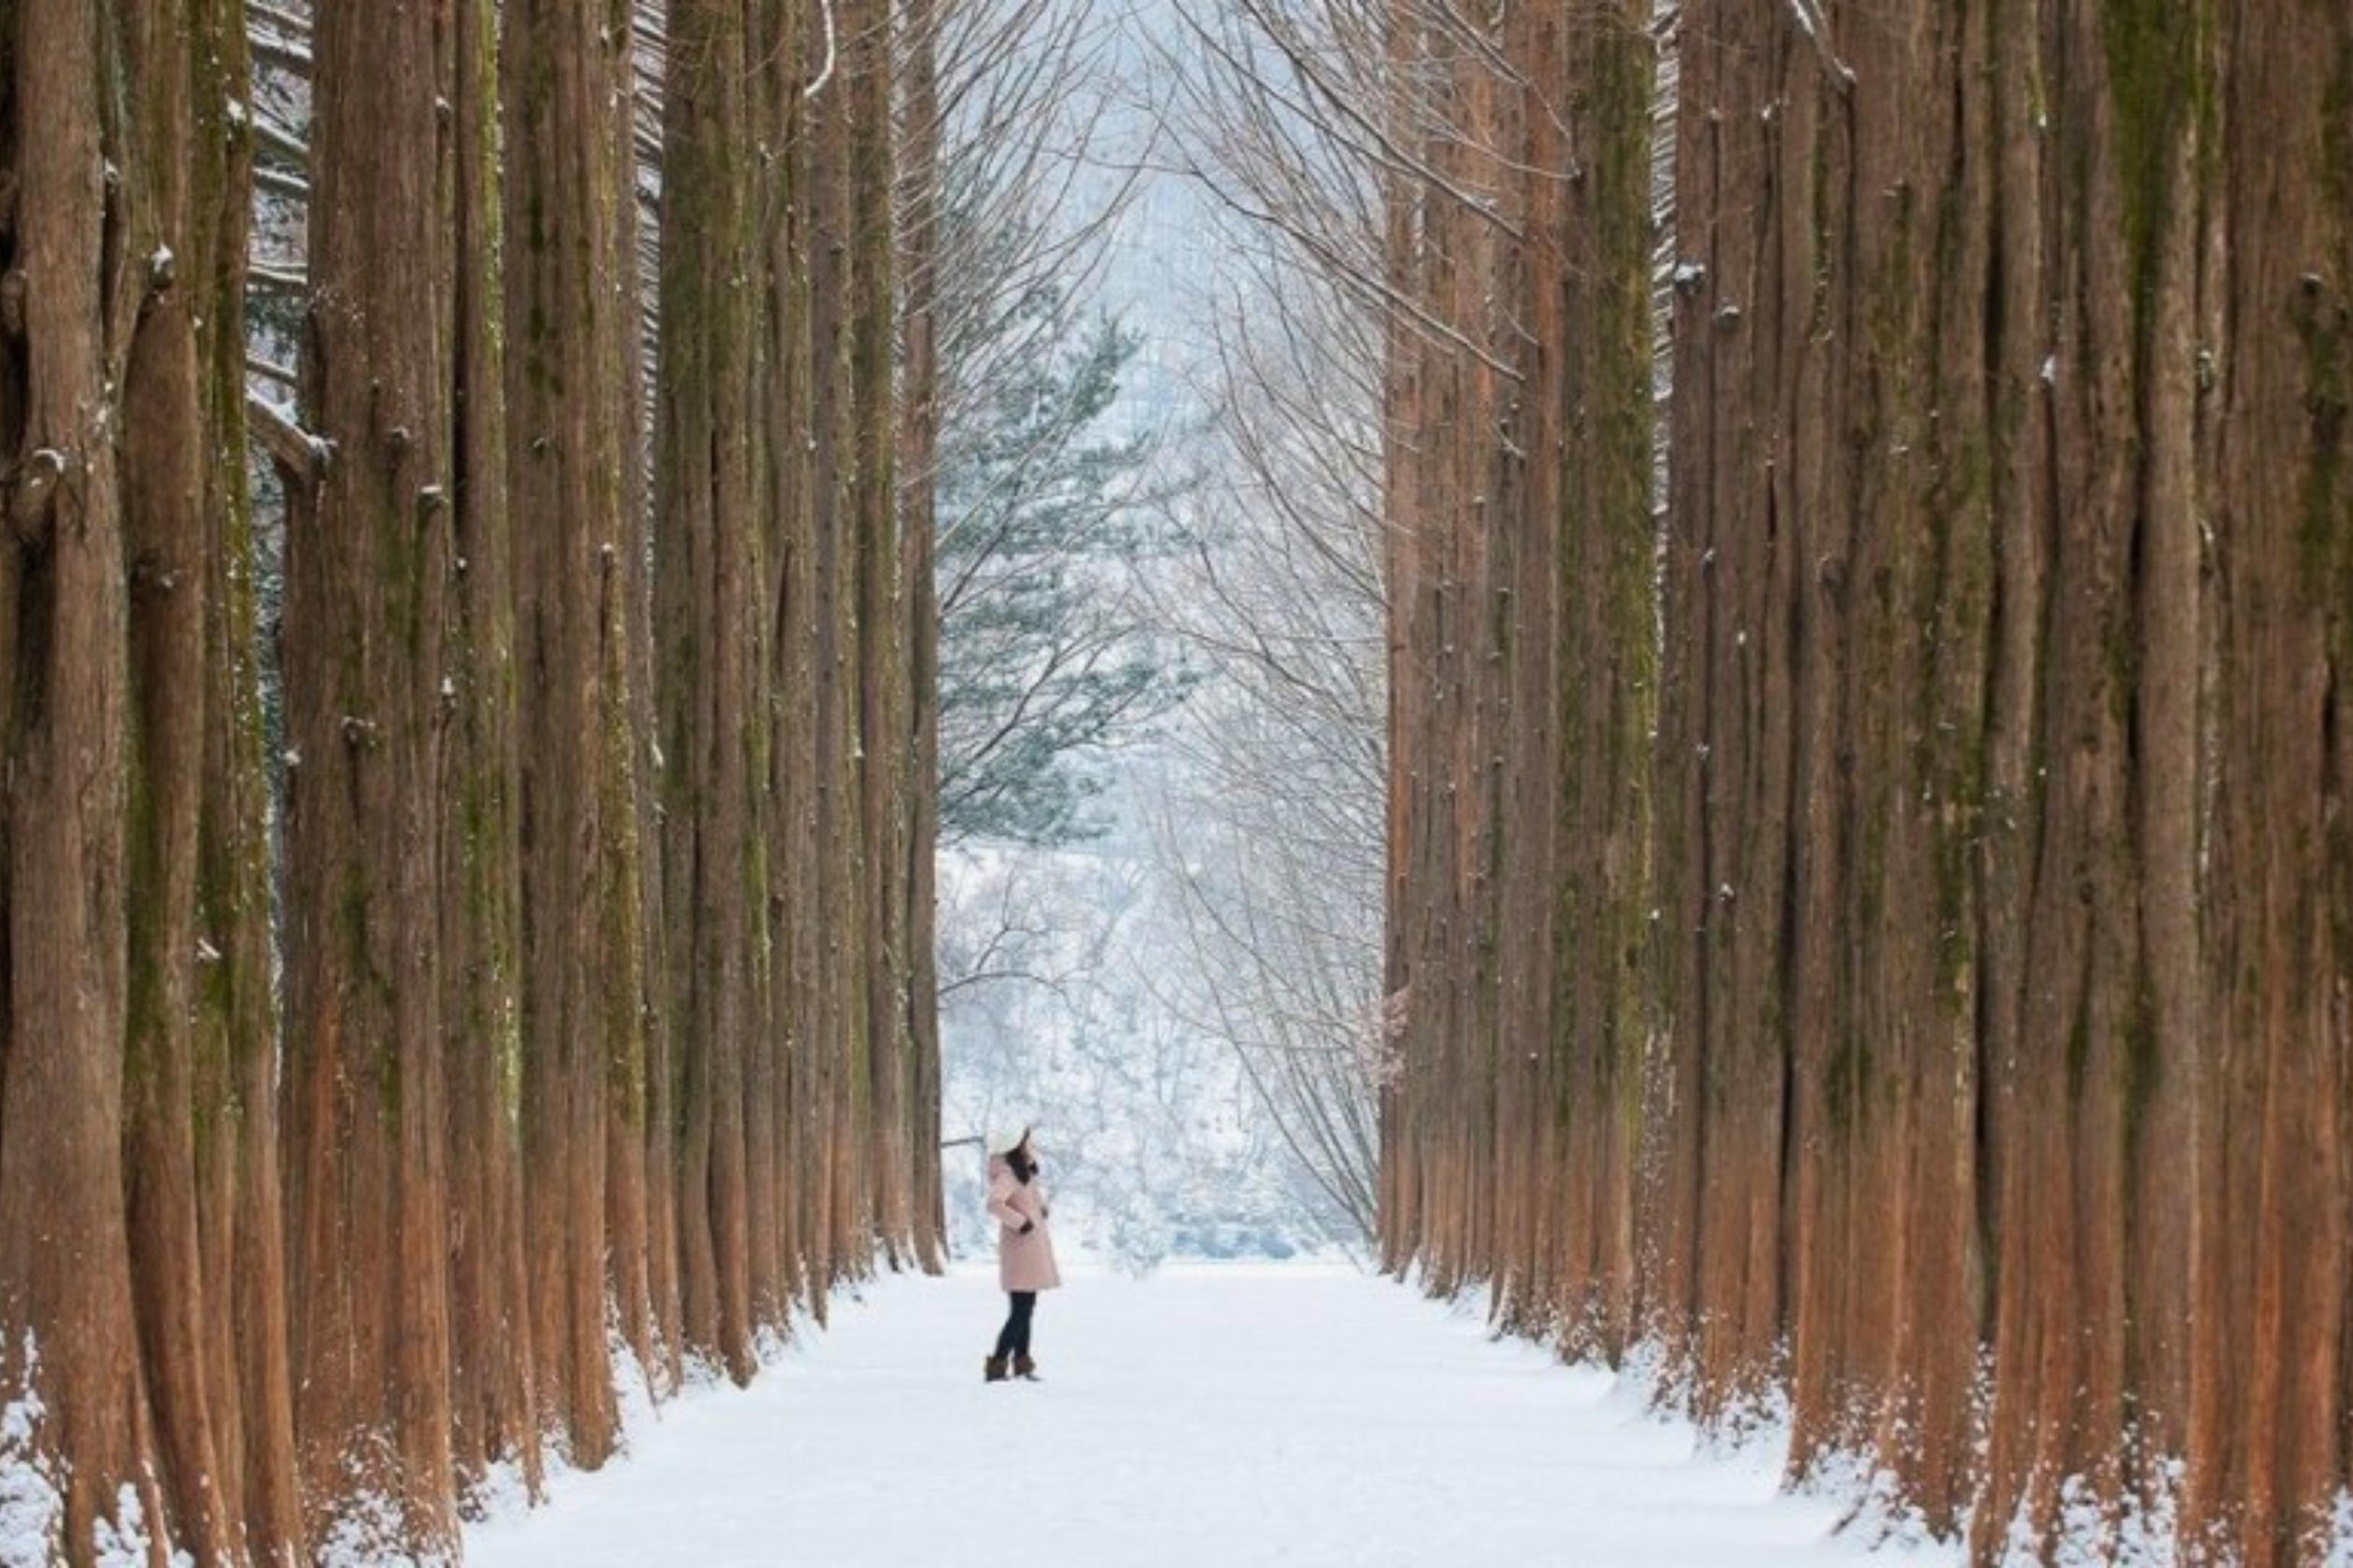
(1022, 1165)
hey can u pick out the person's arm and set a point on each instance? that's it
(1000, 1206)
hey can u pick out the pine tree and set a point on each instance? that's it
(1040, 512)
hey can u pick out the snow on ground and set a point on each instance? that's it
(1209, 1417)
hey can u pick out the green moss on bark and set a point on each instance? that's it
(2158, 90)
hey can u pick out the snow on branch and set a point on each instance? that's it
(301, 457)
(825, 74)
(271, 274)
(32, 491)
(1816, 27)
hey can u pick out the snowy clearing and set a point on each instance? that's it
(1222, 1415)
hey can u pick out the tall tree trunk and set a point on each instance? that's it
(883, 734)
(494, 1416)
(838, 1087)
(918, 475)
(572, 444)
(1604, 658)
(69, 1367)
(714, 714)
(368, 562)
(789, 404)
(2269, 1368)
(170, 527)
(237, 1045)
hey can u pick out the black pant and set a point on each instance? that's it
(1013, 1338)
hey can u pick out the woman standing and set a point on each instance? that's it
(1024, 1252)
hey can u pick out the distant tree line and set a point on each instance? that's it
(546, 1005)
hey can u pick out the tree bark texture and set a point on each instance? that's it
(367, 1114)
(1915, 984)
(712, 668)
(368, 563)
(916, 471)
(495, 1413)
(81, 1441)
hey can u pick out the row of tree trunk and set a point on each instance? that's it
(542, 1017)
(1871, 913)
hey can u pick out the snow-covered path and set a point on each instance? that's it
(1209, 1417)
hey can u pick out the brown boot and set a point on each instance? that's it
(993, 1370)
(1026, 1370)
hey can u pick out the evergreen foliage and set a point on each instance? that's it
(1044, 512)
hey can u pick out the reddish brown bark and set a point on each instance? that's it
(1997, 1028)
(571, 350)
(884, 725)
(715, 716)
(2269, 1367)
(836, 1077)
(172, 526)
(68, 1350)
(367, 567)
(494, 1413)
(237, 1145)
(206, 1363)
(787, 404)
(917, 457)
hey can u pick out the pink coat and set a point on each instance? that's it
(1024, 1262)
